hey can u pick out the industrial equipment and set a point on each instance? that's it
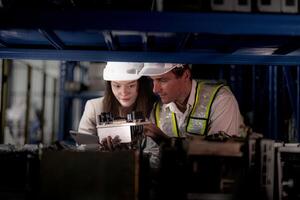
(129, 130)
(288, 171)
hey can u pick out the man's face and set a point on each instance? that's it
(168, 87)
(126, 92)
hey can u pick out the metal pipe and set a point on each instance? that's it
(42, 117)
(290, 86)
(298, 105)
(63, 74)
(4, 96)
(66, 74)
(253, 92)
(28, 100)
(275, 104)
(270, 114)
(53, 135)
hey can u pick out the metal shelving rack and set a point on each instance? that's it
(271, 40)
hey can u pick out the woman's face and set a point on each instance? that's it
(125, 92)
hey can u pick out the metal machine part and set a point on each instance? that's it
(126, 131)
(108, 118)
(267, 151)
(129, 130)
(105, 118)
(288, 171)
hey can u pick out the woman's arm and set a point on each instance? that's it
(88, 120)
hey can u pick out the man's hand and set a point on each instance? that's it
(155, 133)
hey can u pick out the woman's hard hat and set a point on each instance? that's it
(157, 69)
(122, 71)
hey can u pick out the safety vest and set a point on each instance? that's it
(198, 117)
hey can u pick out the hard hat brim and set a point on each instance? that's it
(132, 77)
(154, 71)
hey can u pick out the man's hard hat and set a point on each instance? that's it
(157, 69)
(122, 71)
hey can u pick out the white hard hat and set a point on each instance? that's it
(122, 71)
(157, 69)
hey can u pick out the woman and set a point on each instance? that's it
(126, 91)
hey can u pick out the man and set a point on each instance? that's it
(188, 106)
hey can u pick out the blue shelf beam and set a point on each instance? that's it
(183, 40)
(292, 45)
(109, 40)
(144, 37)
(2, 43)
(138, 56)
(53, 39)
(213, 23)
(217, 38)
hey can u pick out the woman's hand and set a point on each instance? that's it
(110, 144)
(151, 130)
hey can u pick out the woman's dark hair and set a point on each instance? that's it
(143, 103)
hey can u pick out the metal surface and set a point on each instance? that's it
(53, 128)
(279, 174)
(28, 105)
(298, 105)
(267, 167)
(42, 117)
(290, 86)
(4, 96)
(53, 39)
(288, 166)
(252, 152)
(211, 38)
(137, 56)
(273, 98)
(62, 103)
(253, 91)
(214, 23)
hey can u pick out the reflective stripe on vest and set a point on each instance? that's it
(198, 117)
(171, 116)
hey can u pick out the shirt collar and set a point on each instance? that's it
(172, 106)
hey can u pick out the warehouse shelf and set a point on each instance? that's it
(136, 56)
(209, 38)
(214, 23)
